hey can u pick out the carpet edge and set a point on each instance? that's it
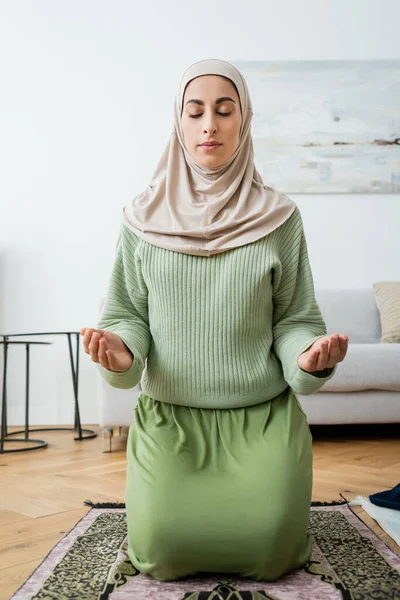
(122, 504)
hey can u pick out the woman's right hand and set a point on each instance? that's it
(107, 348)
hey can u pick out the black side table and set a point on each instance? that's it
(4, 434)
(75, 382)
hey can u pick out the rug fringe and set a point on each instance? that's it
(333, 503)
(104, 504)
(122, 504)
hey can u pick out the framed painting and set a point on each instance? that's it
(326, 126)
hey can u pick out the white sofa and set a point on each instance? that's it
(364, 389)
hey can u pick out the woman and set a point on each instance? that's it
(211, 307)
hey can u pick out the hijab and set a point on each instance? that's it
(200, 210)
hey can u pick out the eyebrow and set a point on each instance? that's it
(218, 100)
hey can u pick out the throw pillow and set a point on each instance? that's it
(387, 296)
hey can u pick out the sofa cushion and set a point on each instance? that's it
(367, 367)
(387, 294)
(351, 312)
(368, 406)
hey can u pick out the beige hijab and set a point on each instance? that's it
(197, 210)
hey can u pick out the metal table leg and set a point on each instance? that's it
(4, 433)
(75, 382)
(77, 421)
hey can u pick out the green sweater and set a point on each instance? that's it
(219, 331)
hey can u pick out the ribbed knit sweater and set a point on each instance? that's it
(223, 331)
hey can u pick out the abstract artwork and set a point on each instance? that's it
(326, 126)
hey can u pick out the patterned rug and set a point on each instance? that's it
(349, 561)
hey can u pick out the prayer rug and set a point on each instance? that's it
(348, 562)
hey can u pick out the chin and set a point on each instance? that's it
(210, 161)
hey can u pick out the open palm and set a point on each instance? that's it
(107, 349)
(324, 353)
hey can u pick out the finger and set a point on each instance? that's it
(94, 346)
(344, 343)
(84, 330)
(103, 360)
(111, 359)
(323, 357)
(334, 349)
(313, 361)
(87, 336)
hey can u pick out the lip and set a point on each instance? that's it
(210, 147)
(211, 144)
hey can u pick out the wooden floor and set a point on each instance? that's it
(42, 491)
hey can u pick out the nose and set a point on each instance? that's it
(209, 124)
(211, 129)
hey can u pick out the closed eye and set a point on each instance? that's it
(218, 113)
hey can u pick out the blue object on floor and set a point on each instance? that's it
(388, 499)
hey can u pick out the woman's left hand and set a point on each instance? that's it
(324, 353)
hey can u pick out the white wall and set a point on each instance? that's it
(86, 107)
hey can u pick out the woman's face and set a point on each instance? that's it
(211, 110)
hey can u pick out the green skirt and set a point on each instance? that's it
(219, 490)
